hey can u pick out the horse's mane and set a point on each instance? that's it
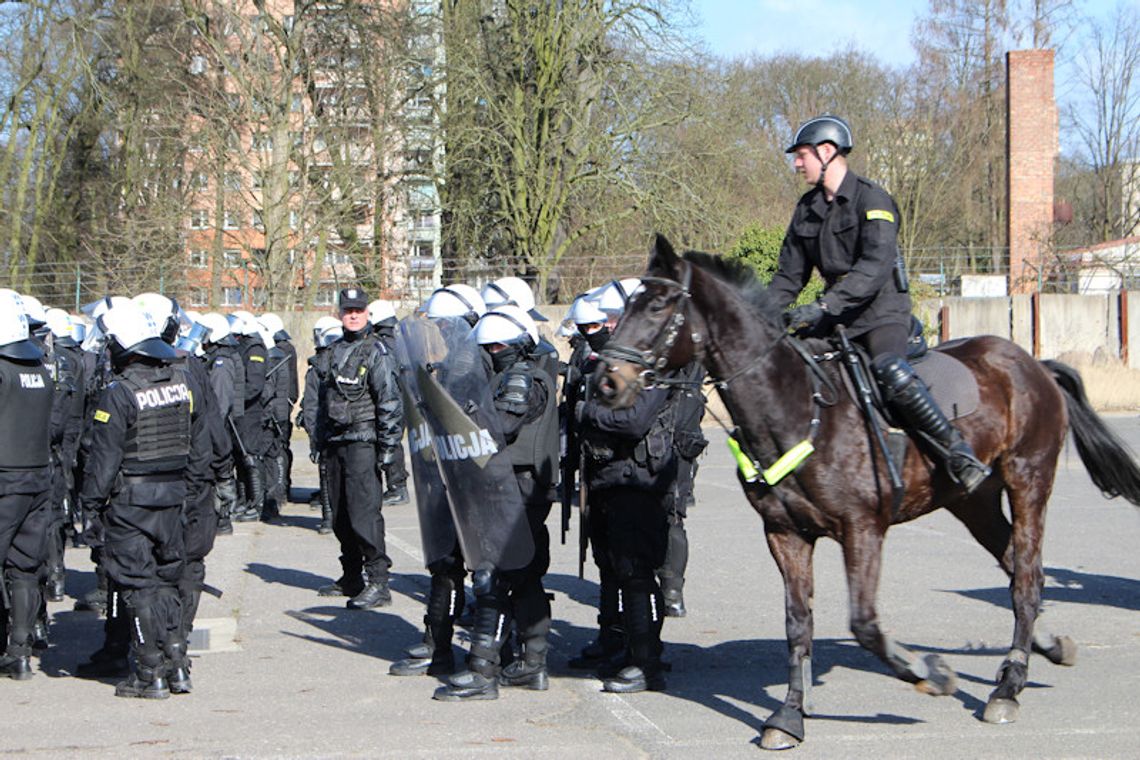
(741, 276)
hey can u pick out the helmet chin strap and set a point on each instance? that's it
(822, 165)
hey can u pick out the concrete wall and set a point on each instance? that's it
(1088, 324)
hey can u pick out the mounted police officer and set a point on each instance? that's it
(150, 454)
(326, 332)
(383, 319)
(524, 399)
(846, 227)
(26, 391)
(363, 419)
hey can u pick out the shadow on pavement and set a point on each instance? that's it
(1075, 588)
(373, 633)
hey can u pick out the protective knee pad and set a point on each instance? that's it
(24, 598)
(893, 374)
(672, 573)
(445, 600)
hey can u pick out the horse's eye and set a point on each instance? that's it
(658, 303)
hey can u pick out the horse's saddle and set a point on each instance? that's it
(952, 385)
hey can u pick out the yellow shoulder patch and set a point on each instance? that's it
(881, 214)
(101, 416)
(257, 358)
(363, 371)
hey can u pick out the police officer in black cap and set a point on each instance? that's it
(846, 227)
(26, 392)
(362, 424)
(150, 454)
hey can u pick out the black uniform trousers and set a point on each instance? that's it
(24, 521)
(356, 497)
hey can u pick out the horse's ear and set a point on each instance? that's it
(662, 257)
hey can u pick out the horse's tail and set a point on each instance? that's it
(1106, 457)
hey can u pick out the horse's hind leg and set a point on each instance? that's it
(983, 517)
(862, 556)
(793, 554)
(1027, 497)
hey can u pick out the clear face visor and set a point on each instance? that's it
(191, 341)
(95, 340)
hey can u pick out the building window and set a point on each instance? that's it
(199, 258)
(231, 296)
(324, 297)
(199, 296)
(297, 103)
(258, 222)
(294, 219)
(423, 219)
(260, 297)
(199, 180)
(230, 220)
(232, 181)
(261, 141)
(337, 258)
(199, 219)
(231, 258)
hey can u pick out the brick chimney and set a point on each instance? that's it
(1031, 147)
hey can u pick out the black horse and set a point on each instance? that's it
(714, 309)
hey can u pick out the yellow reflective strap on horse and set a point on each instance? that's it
(787, 464)
(746, 466)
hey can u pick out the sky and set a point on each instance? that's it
(883, 28)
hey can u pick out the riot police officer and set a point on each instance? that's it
(363, 419)
(846, 227)
(630, 462)
(524, 398)
(326, 332)
(26, 392)
(383, 319)
(227, 380)
(150, 454)
(281, 377)
(251, 437)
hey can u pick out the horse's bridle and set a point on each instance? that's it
(654, 358)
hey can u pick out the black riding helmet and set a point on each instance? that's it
(823, 129)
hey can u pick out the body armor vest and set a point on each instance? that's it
(536, 447)
(235, 356)
(159, 439)
(349, 401)
(26, 393)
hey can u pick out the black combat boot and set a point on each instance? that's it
(178, 666)
(255, 492)
(909, 398)
(608, 649)
(481, 679)
(95, 600)
(24, 597)
(148, 672)
(433, 656)
(671, 574)
(642, 609)
(396, 495)
(374, 594)
(225, 498)
(350, 582)
(111, 660)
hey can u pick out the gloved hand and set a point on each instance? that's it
(387, 456)
(314, 456)
(804, 319)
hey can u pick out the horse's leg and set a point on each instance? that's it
(1027, 497)
(793, 555)
(862, 556)
(983, 517)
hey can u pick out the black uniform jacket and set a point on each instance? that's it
(115, 413)
(853, 243)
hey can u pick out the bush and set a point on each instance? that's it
(760, 247)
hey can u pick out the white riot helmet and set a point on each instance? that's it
(96, 309)
(585, 310)
(165, 312)
(274, 326)
(614, 296)
(219, 328)
(327, 331)
(132, 331)
(381, 312)
(566, 329)
(14, 342)
(59, 324)
(80, 326)
(243, 323)
(37, 315)
(457, 300)
(506, 324)
(511, 290)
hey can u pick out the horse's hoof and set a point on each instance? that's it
(1001, 711)
(941, 681)
(774, 738)
(1066, 651)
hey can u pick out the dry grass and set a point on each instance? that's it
(1111, 386)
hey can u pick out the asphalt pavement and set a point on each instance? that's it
(281, 672)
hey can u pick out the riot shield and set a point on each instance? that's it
(437, 527)
(453, 384)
